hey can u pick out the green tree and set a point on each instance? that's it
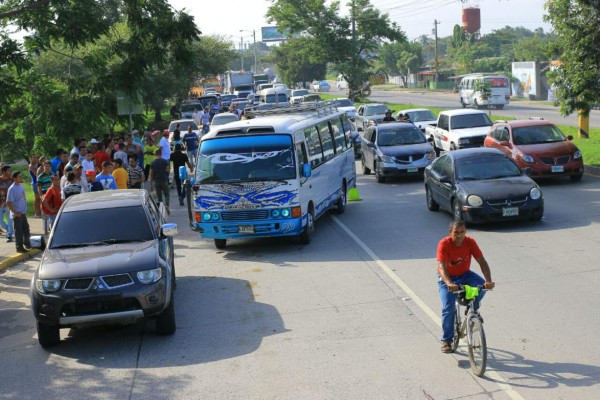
(576, 81)
(296, 61)
(351, 51)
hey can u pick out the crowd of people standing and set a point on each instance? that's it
(108, 164)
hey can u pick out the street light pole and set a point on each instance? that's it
(242, 49)
(254, 44)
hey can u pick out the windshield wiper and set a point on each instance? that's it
(501, 176)
(469, 178)
(266, 179)
(107, 242)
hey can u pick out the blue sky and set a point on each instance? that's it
(415, 17)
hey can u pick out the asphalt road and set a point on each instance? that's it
(517, 109)
(353, 315)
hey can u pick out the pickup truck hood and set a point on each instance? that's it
(491, 189)
(98, 260)
(406, 150)
(468, 132)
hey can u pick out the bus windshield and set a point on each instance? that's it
(246, 159)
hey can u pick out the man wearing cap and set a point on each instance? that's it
(93, 185)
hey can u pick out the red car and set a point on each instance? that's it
(538, 145)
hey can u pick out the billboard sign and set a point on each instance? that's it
(127, 105)
(270, 34)
(526, 84)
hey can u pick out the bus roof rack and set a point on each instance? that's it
(320, 107)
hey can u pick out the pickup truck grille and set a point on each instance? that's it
(477, 140)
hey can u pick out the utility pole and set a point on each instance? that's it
(242, 50)
(435, 32)
(254, 38)
(353, 23)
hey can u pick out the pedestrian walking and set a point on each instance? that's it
(191, 141)
(17, 203)
(179, 159)
(6, 181)
(52, 201)
(159, 178)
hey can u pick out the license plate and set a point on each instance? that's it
(558, 168)
(412, 169)
(246, 229)
(510, 211)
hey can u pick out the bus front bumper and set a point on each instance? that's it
(250, 229)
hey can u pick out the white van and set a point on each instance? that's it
(500, 86)
(341, 83)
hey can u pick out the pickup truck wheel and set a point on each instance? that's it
(366, 170)
(431, 204)
(462, 103)
(48, 335)
(437, 150)
(453, 146)
(477, 107)
(165, 322)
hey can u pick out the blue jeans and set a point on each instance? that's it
(8, 225)
(192, 154)
(448, 300)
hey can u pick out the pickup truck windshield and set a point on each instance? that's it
(246, 159)
(470, 121)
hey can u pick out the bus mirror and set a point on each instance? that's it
(182, 173)
(306, 170)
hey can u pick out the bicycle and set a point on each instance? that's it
(470, 327)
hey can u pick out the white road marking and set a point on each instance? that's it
(505, 386)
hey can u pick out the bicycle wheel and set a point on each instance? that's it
(477, 346)
(456, 337)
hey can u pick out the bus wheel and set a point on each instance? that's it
(220, 243)
(306, 234)
(342, 200)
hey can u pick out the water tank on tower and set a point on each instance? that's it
(471, 19)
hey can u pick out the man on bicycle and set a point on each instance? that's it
(454, 254)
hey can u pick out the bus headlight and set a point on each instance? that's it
(215, 216)
(285, 213)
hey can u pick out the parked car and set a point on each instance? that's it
(187, 108)
(226, 100)
(321, 86)
(341, 83)
(240, 103)
(312, 97)
(421, 117)
(481, 185)
(538, 145)
(110, 273)
(345, 104)
(296, 96)
(222, 119)
(369, 114)
(395, 149)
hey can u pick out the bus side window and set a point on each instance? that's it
(326, 141)
(347, 130)
(301, 156)
(315, 153)
(338, 134)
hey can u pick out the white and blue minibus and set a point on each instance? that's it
(273, 174)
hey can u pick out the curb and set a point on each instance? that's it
(590, 170)
(17, 258)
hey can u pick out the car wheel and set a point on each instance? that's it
(220, 243)
(48, 335)
(462, 103)
(342, 200)
(366, 170)
(165, 322)
(576, 178)
(306, 235)
(456, 210)
(380, 178)
(431, 204)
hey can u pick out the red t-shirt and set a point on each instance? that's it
(458, 259)
(53, 197)
(99, 157)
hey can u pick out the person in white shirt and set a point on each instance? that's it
(197, 117)
(120, 154)
(88, 163)
(164, 146)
